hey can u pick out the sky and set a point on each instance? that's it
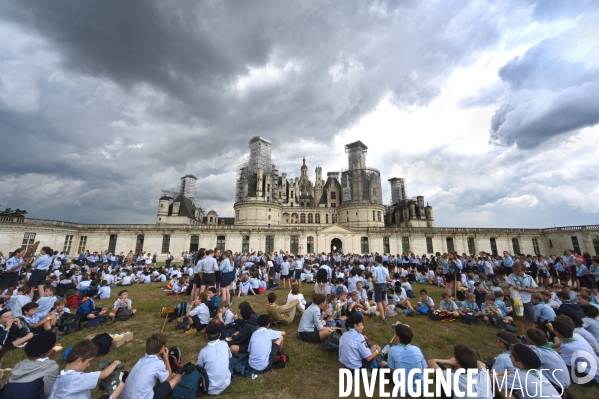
(489, 109)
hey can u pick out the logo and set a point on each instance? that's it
(581, 361)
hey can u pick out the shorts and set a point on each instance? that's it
(297, 274)
(226, 279)
(9, 279)
(209, 280)
(38, 277)
(449, 277)
(529, 313)
(312, 337)
(197, 280)
(197, 324)
(562, 276)
(322, 276)
(274, 349)
(380, 292)
(217, 276)
(163, 390)
(284, 276)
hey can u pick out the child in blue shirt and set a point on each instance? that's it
(426, 300)
(503, 363)
(469, 306)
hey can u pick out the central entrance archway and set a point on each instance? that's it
(336, 245)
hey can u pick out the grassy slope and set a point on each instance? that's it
(311, 372)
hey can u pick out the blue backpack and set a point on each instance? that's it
(194, 382)
(331, 344)
(422, 310)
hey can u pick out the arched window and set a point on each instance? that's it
(317, 218)
(303, 218)
(450, 247)
(310, 218)
(535, 246)
(516, 245)
(493, 246)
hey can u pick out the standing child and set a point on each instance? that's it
(72, 382)
(153, 368)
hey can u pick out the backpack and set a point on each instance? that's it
(103, 342)
(174, 359)
(410, 293)
(69, 323)
(469, 319)
(391, 312)
(331, 344)
(434, 316)
(423, 310)
(194, 381)
(72, 301)
(96, 322)
(123, 314)
(281, 360)
(181, 309)
(31, 390)
(165, 311)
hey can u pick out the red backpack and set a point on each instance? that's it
(72, 301)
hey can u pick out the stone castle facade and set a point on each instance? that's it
(274, 212)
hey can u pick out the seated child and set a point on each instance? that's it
(87, 308)
(469, 307)
(85, 283)
(180, 286)
(12, 332)
(557, 371)
(264, 345)
(152, 377)
(546, 295)
(426, 300)
(544, 313)
(354, 305)
(127, 280)
(568, 305)
(122, 301)
(405, 355)
(104, 290)
(239, 341)
(284, 313)
(37, 323)
(465, 357)
(591, 323)
(568, 345)
(335, 308)
(245, 288)
(36, 372)
(492, 313)
(16, 302)
(499, 296)
(401, 300)
(495, 287)
(522, 382)
(46, 302)
(64, 285)
(198, 314)
(363, 295)
(448, 306)
(224, 315)
(211, 358)
(213, 301)
(503, 364)
(72, 382)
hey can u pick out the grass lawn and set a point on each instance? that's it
(311, 372)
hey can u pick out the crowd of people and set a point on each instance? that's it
(545, 307)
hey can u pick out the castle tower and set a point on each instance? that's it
(318, 186)
(398, 190)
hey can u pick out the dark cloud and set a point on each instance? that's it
(547, 96)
